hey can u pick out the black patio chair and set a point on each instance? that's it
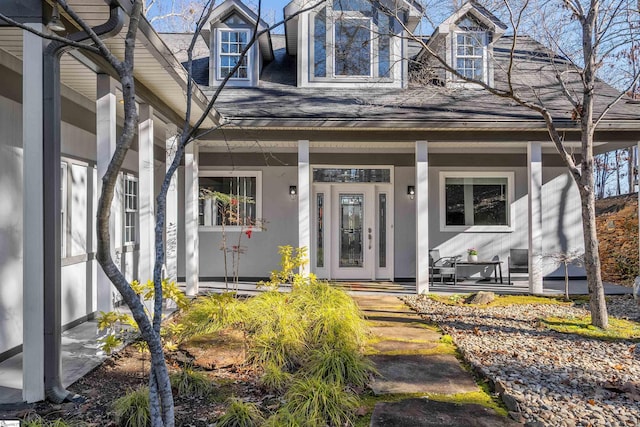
(518, 262)
(442, 266)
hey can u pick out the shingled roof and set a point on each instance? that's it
(277, 102)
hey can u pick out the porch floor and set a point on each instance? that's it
(80, 352)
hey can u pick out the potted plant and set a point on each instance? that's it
(472, 255)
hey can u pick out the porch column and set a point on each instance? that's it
(171, 214)
(422, 217)
(304, 201)
(191, 193)
(106, 145)
(534, 198)
(32, 217)
(146, 199)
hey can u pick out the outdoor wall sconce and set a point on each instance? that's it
(293, 192)
(411, 191)
(55, 23)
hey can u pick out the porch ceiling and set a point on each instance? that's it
(160, 77)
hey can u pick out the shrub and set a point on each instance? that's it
(190, 382)
(132, 409)
(34, 420)
(274, 378)
(212, 313)
(317, 403)
(282, 418)
(340, 365)
(240, 414)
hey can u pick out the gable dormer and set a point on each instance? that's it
(466, 40)
(231, 28)
(350, 43)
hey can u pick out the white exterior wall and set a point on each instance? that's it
(562, 224)
(10, 224)
(281, 214)
(79, 267)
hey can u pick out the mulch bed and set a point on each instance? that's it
(128, 370)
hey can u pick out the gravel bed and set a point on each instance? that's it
(545, 377)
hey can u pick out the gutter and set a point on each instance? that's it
(51, 103)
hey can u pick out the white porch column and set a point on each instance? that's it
(534, 198)
(32, 218)
(304, 201)
(422, 217)
(171, 214)
(146, 195)
(106, 145)
(191, 193)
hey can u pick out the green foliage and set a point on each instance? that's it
(277, 330)
(35, 420)
(212, 313)
(122, 327)
(190, 382)
(341, 365)
(241, 414)
(446, 339)
(619, 329)
(308, 343)
(316, 403)
(290, 260)
(132, 409)
(274, 378)
(282, 418)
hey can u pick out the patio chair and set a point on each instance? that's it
(518, 262)
(442, 266)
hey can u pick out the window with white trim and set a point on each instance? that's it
(241, 204)
(130, 209)
(470, 45)
(470, 48)
(351, 39)
(231, 43)
(476, 201)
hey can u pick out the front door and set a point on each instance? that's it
(353, 249)
(352, 224)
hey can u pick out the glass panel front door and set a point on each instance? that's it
(351, 219)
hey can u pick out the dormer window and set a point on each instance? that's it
(470, 43)
(232, 43)
(351, 42)
(470, 54)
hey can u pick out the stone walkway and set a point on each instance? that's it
(410, 361)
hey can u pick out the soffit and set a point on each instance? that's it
(154, 65)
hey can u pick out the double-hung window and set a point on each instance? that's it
(230, 47)
(240, 204)
(476, 201)
(470, 58)
(130, 209)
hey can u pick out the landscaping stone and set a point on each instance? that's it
(388, 346)
(437, 373)
(217, 350)
(481, 298)
(405, 333)
(429, 413)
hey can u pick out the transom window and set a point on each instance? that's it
(240, 205)
(232, 43)
(476, 201)
(351, 175)
(130, 208)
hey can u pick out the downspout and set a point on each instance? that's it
(54, 389)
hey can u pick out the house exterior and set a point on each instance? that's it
(341, 134)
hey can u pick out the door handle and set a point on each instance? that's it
(370, 237)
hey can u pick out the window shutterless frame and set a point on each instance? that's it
(471, 228)
(235, 49)
(481, 37)
(233, 174)
(130, 209)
